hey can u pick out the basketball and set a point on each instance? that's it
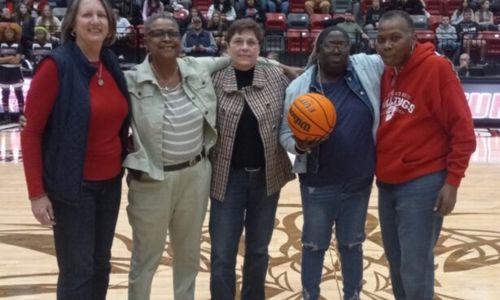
(311, 116)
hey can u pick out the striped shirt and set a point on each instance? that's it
(182, 127)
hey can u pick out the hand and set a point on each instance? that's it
(292, 72)
(307, 145)
(42, 210)
(22, 122)
(446, 199)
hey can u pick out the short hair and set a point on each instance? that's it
(323, 34)
(69, 20)
(392, 14)
(165, 16)
(245, 24)
(468, 10)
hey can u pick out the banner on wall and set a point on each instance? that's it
(484, 102)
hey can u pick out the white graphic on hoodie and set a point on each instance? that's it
(397, 102)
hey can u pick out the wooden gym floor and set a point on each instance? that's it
(467, 257)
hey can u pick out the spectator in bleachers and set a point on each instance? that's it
(277, 6)
(6, 15)
(49, 21)
(11, 53)
(483, 16)
(225, 7)
(251, 10)
(469, 31)
(373, 15)
(464, 65)
(152, 7)
(27, 22)
(458, 14)
(43, 44)
(320, 6)
(217, 27)
(122, 24)
(356, 34)
(447, 39)
(413, 7)
(198, 41)
(195, 12)
(132, 11)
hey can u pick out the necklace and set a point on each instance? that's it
(100, 81)
(164, 83)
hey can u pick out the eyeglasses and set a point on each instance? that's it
(251, 43)
(330, 46)
(162, 33)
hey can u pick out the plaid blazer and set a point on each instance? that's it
(265, 97)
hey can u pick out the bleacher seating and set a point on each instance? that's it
(420, 21)
(274, 43)
(298, 41)
(298, 20)
(434, 21)
(275, 22)
(426, 36)
(318, 20)
(340, 6)
(492, 39)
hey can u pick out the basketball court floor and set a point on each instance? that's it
(467, 256)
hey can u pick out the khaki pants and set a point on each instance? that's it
(176, 205)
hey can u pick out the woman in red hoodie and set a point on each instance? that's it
(424, 143)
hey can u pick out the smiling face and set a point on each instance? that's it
(395, 41)
(91, 23)
(244, 49)
(163, 39)
(333, 53)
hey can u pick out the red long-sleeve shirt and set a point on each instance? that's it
(108, 109)
(426, 124)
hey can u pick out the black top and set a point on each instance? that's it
(248, 151)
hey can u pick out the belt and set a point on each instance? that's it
(193, 161)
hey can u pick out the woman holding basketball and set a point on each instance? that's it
(249, 165)
(336, 171)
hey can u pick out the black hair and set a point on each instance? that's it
(322, 36)
(392, 14)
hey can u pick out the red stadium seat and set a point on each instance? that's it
(434, 22)
(318, 20)
(275, 22)
(492, 39)
(180, 15)
(202, 4)
(452, 5)
(426, 36)
(365, 5)
(298, 41)
(436, 7)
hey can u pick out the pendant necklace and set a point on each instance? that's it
(100, 81)
(162, 82)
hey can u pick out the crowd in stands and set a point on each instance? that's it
(454, 26)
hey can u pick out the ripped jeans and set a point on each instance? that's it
(344, 207)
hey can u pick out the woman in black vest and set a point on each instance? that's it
(73, 146)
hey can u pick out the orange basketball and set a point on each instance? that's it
(311, 116)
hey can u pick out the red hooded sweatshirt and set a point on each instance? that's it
(426, 124)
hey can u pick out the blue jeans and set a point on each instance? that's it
(345, 207)
(273, 7)
(83, 237)
(246, 205)
(410, 229)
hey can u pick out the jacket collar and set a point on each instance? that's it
(229, 78)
